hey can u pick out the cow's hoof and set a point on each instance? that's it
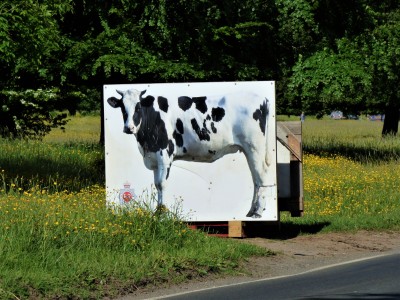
(253, 214)
(250, 214)
(161, 209)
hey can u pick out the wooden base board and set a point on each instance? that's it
(231, 229)
(235, 229)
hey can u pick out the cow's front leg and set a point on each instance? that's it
(161, 174)
(160, 183)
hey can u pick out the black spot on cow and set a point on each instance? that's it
(200, 104)
(217, 114)
(152, 134)
(177, 134)
(171, 148)
(185, 102)
(115, 103)
(179, 126)
(213, 152)
(205, 126)
(163, 103)
(125, 114)
(208, 118)
(137, 115)
(202, 133)
(260, 115)
(214, 130)
(147, 101)
(168, 169)
(178, 138)
(184, 150)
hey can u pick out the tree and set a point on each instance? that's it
(297, 33)
(381, 49)
(329, 81)
(145, 41)
(361, 71)
(30, 47)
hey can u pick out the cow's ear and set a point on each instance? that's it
(141, 94)
(114, 102)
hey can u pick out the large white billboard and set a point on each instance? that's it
(218, 191)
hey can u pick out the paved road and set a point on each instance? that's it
(375, 278)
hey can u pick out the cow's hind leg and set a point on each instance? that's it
(254, 204)
(258, 167)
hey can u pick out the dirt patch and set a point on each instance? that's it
(293, 255)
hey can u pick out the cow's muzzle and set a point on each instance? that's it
(128, 130)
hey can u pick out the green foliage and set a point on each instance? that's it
(298, 28)
(119, 50)
(31, 41)
(327, 81)
(148, 42)
(361, 72)
(29, 64)
(381, 49)
(29, 113)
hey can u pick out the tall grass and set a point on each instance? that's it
(50, 166)
(360, 140)
(64, 160)
(58, 239)
(80, 129)
(68, 245)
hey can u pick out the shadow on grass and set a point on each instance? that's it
(43, 171)
(282, 230)
(360, 153)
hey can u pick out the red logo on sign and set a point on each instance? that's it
(126, 194)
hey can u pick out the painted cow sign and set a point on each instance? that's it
(199, 128)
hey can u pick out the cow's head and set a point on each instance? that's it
(130, 107)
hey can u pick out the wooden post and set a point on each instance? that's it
(236, 229)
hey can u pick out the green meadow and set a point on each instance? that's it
(59, 241)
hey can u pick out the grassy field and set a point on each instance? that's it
(57, 240)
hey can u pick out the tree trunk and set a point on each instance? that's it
(391, 123)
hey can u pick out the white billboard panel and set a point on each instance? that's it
(217, 191)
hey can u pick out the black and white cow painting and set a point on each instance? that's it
(201, 128)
